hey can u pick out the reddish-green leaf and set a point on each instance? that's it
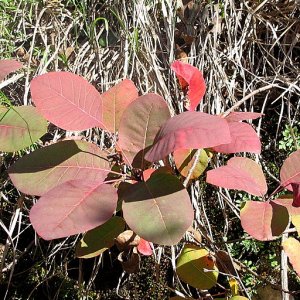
(264, 221)
(73, 207)
(7, 66)
(185, 158)
(158, 210)
(267, 292)
(240, 174)
(139, 125)
(294, 212)
(243, 139)
(47, 167)
(195, 130)
(290, 170)
(101, 238)
(241, 116)
(190, 77)
(291, 247)
(197, 268)
(286, 201)
(20, 127)
(115, 101)
(67, 100)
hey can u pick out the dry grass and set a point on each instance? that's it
(248, 51)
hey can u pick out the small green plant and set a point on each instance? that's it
(291, 138)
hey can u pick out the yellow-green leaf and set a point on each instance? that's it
(296, 222)
(99, 239)
(185, 158)
(291, 247)
(234, 286)
(197, 268)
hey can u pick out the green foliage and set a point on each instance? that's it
(290, 138)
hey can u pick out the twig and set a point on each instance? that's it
(240, 102)
(188, 177)
(10, 80)
(284, 271)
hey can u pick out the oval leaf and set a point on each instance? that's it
(290, 170)
(241, 116)
(196, 268)
(159, 215)
(291, 247)
(20, 127)
(243, 139)
(195, 130)
(294, 212)
(67, 100)
(99, 239)
(144, 247)
(287, 201)
(139, 125)
(192, 78)
(43, 169)
(115, 101)
(225, 263)
(185, 158)
(240, 174)
(73, 207)
(7, 66)
(264, 221)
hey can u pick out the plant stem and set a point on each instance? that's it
(284, 271)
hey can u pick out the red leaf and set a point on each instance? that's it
(67, 100)
(73, 207)
(264, 221)
(139, 125)
(243, 139)
(290, 170)
(241, 116)
(240, 174)
(7, 66)
(296, 194)
(195, 130)
(149, 172)
(145, 247)
(45, 168)
(190, 76)
(115, 101)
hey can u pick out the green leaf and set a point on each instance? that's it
(99, 239)
(20, 127)
(45, 168)
(158, 210)
(193, 265)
